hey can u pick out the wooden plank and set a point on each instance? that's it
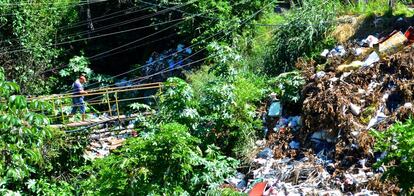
(96, 121)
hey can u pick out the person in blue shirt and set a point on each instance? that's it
(77, 100)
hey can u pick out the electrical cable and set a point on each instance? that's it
(83, 39)
(197, 43)
(137, 46)
(54, 3)
(97, 58)
(219, 38)
(95, 20)
(164, 57)
(133, 20)
(105, 17)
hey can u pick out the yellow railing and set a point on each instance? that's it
(100, 96)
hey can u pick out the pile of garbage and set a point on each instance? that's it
(358, 91)
(103, 141)
(328, 150)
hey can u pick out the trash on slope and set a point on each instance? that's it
(393, 44)
(330, 151)
(104, 141)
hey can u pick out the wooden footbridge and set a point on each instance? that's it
(104, 105)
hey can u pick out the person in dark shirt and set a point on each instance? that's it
(77, 101)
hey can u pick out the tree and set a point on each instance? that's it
(166, 162)
(30, 30)
(27, 143)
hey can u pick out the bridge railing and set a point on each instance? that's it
(99, 101)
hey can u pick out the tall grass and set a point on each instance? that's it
(377, 7)
(305, 28)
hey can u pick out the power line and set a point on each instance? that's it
(53, 3)
(68, 27)
(106, 17)
(103, 35)
(123, 31)
(137, 46)
(252, 16)
(97, 58)
(119, 32)
(135, 19)
(157, 60)
(83, 39)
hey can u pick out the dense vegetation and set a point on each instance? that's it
(205, 124)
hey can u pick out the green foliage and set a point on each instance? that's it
(177, 103)
(223, 59)
(224, 192)
(29, 30)
(43, 187)
(377, 7)
(77, 65)
(288, 86)
(27, 144)
(80, 65)
(226, 106)
(303, 29)
(167, 162)
(216, 17)
(398, 143)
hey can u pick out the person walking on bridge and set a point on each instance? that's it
(77, 100)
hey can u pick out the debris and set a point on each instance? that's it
(328, 150)
(393, 44)
(320, 74)
(370, 41)
(337, 51)
(266, 153)
(358, 51)
(409, 34)
(380, 116)
(238, 181)
(258, 189)
(325, 53)
(104, 141)
(349, 67)
(294, 144)
(273, 96)
(260, 143)
(371, 59)
(275, 109)
(356, 110)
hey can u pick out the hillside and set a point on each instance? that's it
(206, 97)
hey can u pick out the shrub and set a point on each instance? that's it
(177, 103)
(288, 86)
(398, 144)
(167, 162)
(29, 148)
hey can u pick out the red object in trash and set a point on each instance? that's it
(282, 130)
(409, 34)
(258, 189)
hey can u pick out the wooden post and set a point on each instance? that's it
(61, 109)
(54, 107)
(109, 102)
(117, 106)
